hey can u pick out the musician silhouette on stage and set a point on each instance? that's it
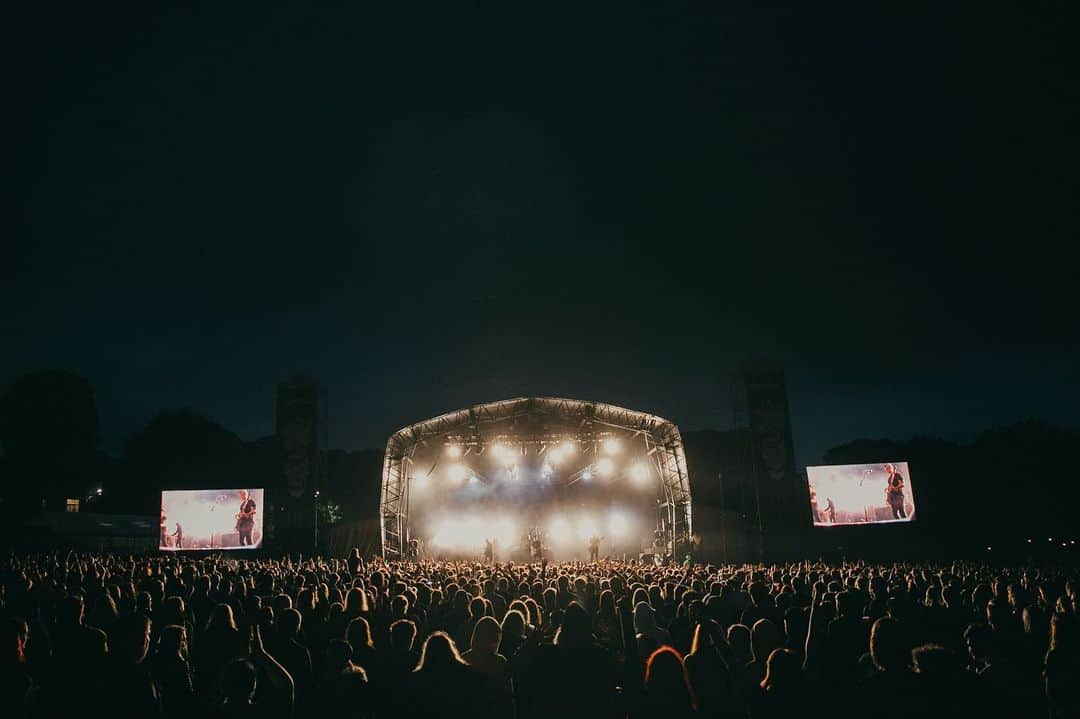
(594, 548)
(894, 492)
(489, 551)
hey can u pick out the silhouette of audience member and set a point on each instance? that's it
(781, 691)
(1062, 667)
(130, 690)
(443, 684)
(483, 654)
(344, 688)
(667, 691)
(172, 673)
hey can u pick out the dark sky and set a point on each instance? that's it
(434, 207)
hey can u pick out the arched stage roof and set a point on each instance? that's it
(482, 424)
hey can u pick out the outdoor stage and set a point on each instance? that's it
(535, 477)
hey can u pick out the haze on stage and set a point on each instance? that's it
(860, 494)
(206, 519)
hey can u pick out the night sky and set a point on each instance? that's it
(456, 204)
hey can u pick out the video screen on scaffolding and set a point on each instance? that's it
(860, 494)
(204, 519)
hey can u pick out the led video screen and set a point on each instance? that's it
(860, 494)
(204, 519)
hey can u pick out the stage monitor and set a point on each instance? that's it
(860, 494)
(209, 519)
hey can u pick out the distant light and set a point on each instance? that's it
(586, 528)
(989, 549)
(639, 472)
(453, 451)
(605, 467)
(618, 525)
(547, 470)
(1029, 541)
(504, 531)
(611, 445)
(502, 453)
(559, 528)
(99, 491)
(586, 474)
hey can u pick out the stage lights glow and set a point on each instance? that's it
(586, 474)
(606, 467)
(457, 473)
(639, 472)
(453, 451)
(512, 473)
(559, 529)
(612, 445)
(618, 525)
(567, 447)
(586, 528)
(503, 453)
(547, 470)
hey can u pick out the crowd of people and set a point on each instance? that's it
(227, 636)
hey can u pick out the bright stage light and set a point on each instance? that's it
(505, 532)
(547, 470)
(586, 474)
(457, 473)
(639, 472)
(503, 453)
(420, 480)
(586, 528)
(605, 467)
(618, 525)
(453, 451)
(611, 445)
(559, 529)
(473, 479)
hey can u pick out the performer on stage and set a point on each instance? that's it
(178, 535)
(536, 545)
(894, 492)
(489, 551)
(245, 518)
(830, 510)
(594, 548)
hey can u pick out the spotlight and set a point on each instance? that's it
(502, 453)
(617, 524)
(586, 474)
(453, 451)
(586, 528)
(611, 445)
(547, 470)
(457, 473)
(504, 531)
(605, 467)
(639, 472)
(559, 529)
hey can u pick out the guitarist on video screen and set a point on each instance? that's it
(894, 492)
(245, 518)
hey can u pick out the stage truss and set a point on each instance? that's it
(480, 425)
